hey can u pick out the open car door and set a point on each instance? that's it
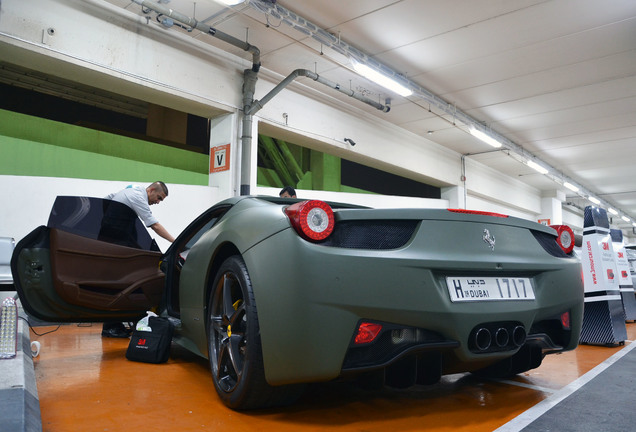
(94, 261)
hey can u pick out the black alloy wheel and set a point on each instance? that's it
(234, 344)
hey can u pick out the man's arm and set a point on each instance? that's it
(159, 229)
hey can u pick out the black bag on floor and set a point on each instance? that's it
(154, 346)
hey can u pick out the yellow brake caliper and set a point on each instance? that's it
(235, 305)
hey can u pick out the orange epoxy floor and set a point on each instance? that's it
(85, 383)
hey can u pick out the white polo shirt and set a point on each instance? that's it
(135, 197)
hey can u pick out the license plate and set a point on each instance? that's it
(489, 288)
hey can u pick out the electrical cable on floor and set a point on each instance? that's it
(36, 333)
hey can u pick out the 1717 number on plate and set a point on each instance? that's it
(489, 288)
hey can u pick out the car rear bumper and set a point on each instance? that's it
(310, 300)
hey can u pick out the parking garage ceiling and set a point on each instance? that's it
(556, 78)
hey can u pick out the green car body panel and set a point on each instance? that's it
(311, 296)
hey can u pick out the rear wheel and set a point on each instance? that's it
(234, 343)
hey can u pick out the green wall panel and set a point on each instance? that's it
(288, 164)
(20, 157)
(34, 146)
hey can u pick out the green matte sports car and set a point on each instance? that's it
(280, 292)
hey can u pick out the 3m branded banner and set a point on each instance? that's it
(603, 316)
(622, 265)
(623, 275)
(599, 266)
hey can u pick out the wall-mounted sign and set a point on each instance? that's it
(544, 221)
(220, 158)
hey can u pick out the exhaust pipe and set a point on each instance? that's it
(498, 336)
(501, 337)
(519, 336)
(483, 339)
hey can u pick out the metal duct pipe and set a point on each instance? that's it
(249, 87)
(193, 23)
(258, 104)
(249, 81)
(251, 106)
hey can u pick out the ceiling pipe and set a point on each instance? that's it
(201, 26)
(249, 81)
(251, 106)
(258, 104)
(337, 44)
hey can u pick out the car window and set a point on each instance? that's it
(205, 228)
(196, 229)
(100, 219)
(202, 225)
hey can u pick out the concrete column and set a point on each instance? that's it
(455, 195)
(552, 208)
(225, 160)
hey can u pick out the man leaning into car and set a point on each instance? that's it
(139, 199)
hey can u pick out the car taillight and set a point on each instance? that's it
(477, 212)
(565, 237)
(311, 219)
(367, 332)
(565, 320)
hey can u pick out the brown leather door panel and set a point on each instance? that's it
(104, 276)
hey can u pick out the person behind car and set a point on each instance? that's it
(139, 199)
(287, 192)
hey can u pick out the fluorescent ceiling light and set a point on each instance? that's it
(535, 166)
(594, 200)
(612, 211)
(230, 2)
(625, 218)
(634, 224)
(484, 137)
(380, 79)
(571, 187)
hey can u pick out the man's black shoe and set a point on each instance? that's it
(116, 330)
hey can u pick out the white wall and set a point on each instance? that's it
(26, 202)
(368, 200)
(572, 219)
(378, 143)
(98, 44)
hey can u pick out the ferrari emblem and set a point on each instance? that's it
(489, 239)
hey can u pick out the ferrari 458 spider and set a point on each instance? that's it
(281, 292)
